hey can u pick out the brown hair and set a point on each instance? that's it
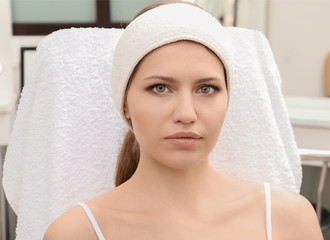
(129, 155)
(128, 159)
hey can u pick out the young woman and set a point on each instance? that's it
(171, 83)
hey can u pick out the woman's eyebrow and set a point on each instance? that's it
(172, 80)
(209, 79)
(167, 79)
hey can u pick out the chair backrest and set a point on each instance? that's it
(67, 133)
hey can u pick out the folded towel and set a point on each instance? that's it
(67, 133)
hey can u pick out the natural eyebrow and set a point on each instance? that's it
(172, 80)
(167, 79)
(209, 79)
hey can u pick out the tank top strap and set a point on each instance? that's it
(92, 220)
(267, 205)
(268, 211)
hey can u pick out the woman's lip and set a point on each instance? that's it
(184, 142)
(186, 135)
(184, 139)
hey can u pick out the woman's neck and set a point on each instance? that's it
(188, 190)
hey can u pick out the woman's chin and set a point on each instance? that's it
(184, 162)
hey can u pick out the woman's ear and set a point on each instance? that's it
(126, 112)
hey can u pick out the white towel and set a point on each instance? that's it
(67, 133)
(257, 141)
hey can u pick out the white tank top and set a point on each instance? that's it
(267, 204)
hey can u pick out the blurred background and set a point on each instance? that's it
(298, 32)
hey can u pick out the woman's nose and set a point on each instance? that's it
(184, 109)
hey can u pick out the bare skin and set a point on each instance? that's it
(175, 192)
(239, 215)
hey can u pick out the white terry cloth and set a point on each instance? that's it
(67, 133)
(257, 140)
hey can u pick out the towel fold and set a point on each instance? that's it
(67, 133)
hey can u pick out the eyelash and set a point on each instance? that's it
(150, 88)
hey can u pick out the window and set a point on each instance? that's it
(41, 17)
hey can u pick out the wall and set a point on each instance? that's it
(299, 34)
(5, 52)
(298, 31)
(7, 93)
(253, 14)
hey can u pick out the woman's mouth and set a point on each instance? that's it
(184, 139)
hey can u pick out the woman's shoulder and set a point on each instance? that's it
(293, 216)
(73, 224)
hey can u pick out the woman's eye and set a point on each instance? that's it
(160, 88)
(206, 89)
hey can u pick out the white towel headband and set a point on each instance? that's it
(158, 27)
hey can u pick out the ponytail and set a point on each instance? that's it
(128, 159)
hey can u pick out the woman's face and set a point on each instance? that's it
(177, 101)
